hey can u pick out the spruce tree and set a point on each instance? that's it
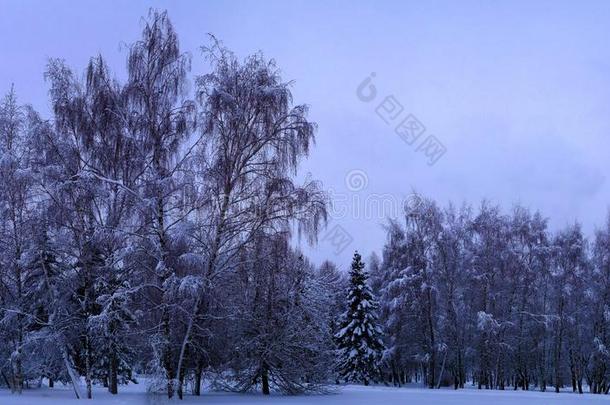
(359, 339)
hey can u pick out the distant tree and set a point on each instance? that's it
(598, 371)
(411, 292)
(375, 274)
(570, 267)
(334, 284)
(15, 192)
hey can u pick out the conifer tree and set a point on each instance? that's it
(359, 339)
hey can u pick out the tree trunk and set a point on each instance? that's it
(395, 375)
(185, 342)
(113, 383)
(432, 367)
(88, 368)
(558, 345)
(180, 384)
(265, 379)
(440, 376)
(18, 370)
(7, 380)
(73, 377)
(198, 372)
(167, 353)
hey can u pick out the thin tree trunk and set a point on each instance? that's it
(6, 380)
(88, 368)
(185, 341)
(440, 377)
(432, 366)
(167, 352)
(558, 344)
(113, 383)
(19, 365)
(71, 373)
(265, 379)
(18, 361)
(180, 384)
(198, 372)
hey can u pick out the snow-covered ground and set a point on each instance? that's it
(350, 395)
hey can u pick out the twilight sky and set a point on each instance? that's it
(518, 93)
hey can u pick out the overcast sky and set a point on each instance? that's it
(517, 93)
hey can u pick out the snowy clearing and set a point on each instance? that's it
(350, 395)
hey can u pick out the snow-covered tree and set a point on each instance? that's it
(254, 139)
(599, 366)
(360, 347)
(16, 189)
(279, 295)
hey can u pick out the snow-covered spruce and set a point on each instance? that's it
(359, 339)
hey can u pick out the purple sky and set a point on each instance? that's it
(518, 93)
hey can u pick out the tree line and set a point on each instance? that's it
(146, 228)
(494, 299)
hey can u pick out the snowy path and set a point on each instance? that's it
(351, 395)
